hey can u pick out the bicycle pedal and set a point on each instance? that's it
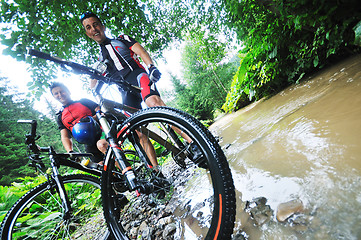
(197, 156)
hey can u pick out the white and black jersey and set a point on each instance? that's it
(121, 60)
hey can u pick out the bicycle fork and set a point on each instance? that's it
(56, 177)
(124, 165)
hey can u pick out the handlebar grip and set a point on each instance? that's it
(25, 121)
(45, 56)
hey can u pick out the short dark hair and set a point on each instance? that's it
(88, 15)
(57, 84)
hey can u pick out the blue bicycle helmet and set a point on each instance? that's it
(86, 131)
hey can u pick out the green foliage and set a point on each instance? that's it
(207, 77)
(10, 194)
(7, 199)
(285, 40)
(13, 156)
(358, 34)
(54, 27)
(85, 199)
(239, 87)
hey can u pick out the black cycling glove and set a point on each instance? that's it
(154, 74)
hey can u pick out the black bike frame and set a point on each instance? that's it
(56, 160)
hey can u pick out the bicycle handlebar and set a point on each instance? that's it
(33, 126)
(31, 138)
(81, 69)
(45, 56)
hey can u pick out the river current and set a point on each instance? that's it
(303, 143)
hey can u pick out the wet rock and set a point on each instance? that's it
(299, 222)
(136, 223)
(172, 206)
(126, 226)
(143, 226)
(169, 230)
(287, 209)
(259, 211)
(145, 231)
(164, 221)
(133, 232)
(240, 235)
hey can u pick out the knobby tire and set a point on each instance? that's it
(221, 203)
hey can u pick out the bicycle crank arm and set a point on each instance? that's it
(146, 188)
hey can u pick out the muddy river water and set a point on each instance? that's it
(303, 143)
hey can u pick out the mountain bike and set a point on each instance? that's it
(62, 206)
(194, 174)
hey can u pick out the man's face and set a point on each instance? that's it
(61, 94)
(94, 29)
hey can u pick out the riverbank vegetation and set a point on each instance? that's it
(284, 40)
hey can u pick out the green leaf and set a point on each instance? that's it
(315, 61)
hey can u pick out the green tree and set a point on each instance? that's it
(285, 40)
(13, 157)
(207, 77)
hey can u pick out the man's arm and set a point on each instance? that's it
(153, 72)
(66, 140)
(142, 53)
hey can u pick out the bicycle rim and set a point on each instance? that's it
(38, 214)
(199, 203)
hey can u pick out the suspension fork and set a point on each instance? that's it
(57, 178)
(124, 165)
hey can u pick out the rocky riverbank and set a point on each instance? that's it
(149, 219)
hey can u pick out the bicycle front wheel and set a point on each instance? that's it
(39, 213)
(198, 198)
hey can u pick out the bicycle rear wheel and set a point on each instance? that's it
(200, 202)
(39, 213)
